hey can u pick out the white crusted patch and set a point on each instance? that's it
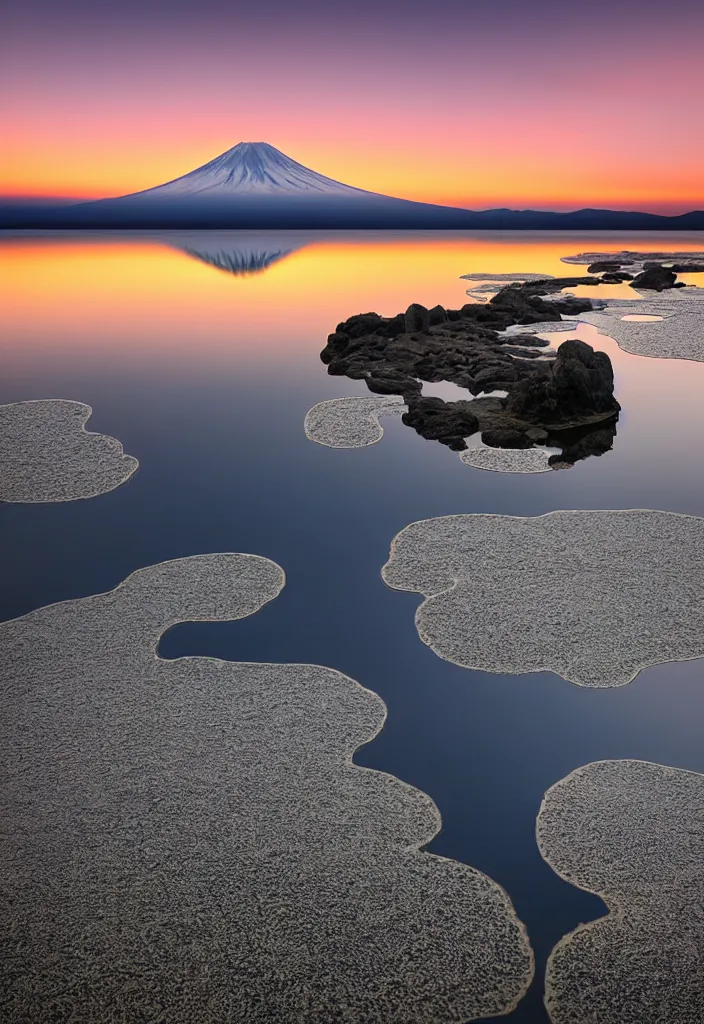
(592, 596)
(484, 289)
(46, 454)
(629, 258)
(189, 841)
(351, 422)
(679, 335)
(507, 460)
(354, 423)
(632, 832)
(543, 327)
(506, 277)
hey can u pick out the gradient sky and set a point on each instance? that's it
(507, 103)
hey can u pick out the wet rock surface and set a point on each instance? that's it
(469, 347)
(656, 278)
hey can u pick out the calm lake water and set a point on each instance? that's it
(206, 376)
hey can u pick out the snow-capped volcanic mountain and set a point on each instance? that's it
(253, 169)
(256, 186)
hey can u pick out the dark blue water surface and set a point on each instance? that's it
(225, 466)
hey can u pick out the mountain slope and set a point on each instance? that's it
(255, 186)
(252, 169)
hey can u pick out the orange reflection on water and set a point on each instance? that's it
(143, 297)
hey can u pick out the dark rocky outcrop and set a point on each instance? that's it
(417, 318)
(604, 265)
(448, 422)
(688, 268)
(465, 346)
(656, 277)
(615, 277)
(577, 385)
(437, 315)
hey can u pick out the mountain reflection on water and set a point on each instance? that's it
(206, 378)
(239, 253)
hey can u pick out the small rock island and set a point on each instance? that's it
(565, 400)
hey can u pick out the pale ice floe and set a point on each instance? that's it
(46, 454)
(484, 289)
(190, 840)
(354, 423)
(678, 333)
(632, 260)
(492, 283)
(506, 277)
(542, 327)
(507, 460)
(351, 422)
(633, 833)
(594, 596)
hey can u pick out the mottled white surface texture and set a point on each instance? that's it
(482, 289)
(506, 460)
(592, 596)
(354, 423)
(506, 277)
(189, 842)
(628, 257)
(351, 422)
(632, 832)
(679, 335)
(46, 454)
(543, 327)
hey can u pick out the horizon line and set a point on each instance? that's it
(677, 209)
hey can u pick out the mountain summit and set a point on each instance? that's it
(256, 187)
(252, 168)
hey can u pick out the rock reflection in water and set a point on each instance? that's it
(485, 350)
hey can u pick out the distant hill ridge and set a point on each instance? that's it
(256, 186)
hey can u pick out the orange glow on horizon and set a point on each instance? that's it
(451, 104)
(474, 174)
(522, 193)
(143, 299)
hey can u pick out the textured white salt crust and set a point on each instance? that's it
(679, 335)
(46, 454)
(632, 832)
(481, 289)
(543, 327)
(189, 841)
(507, 460)
(354, 423)
(626, 257)
(593, 596)
(506, 277)
(351, 422)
